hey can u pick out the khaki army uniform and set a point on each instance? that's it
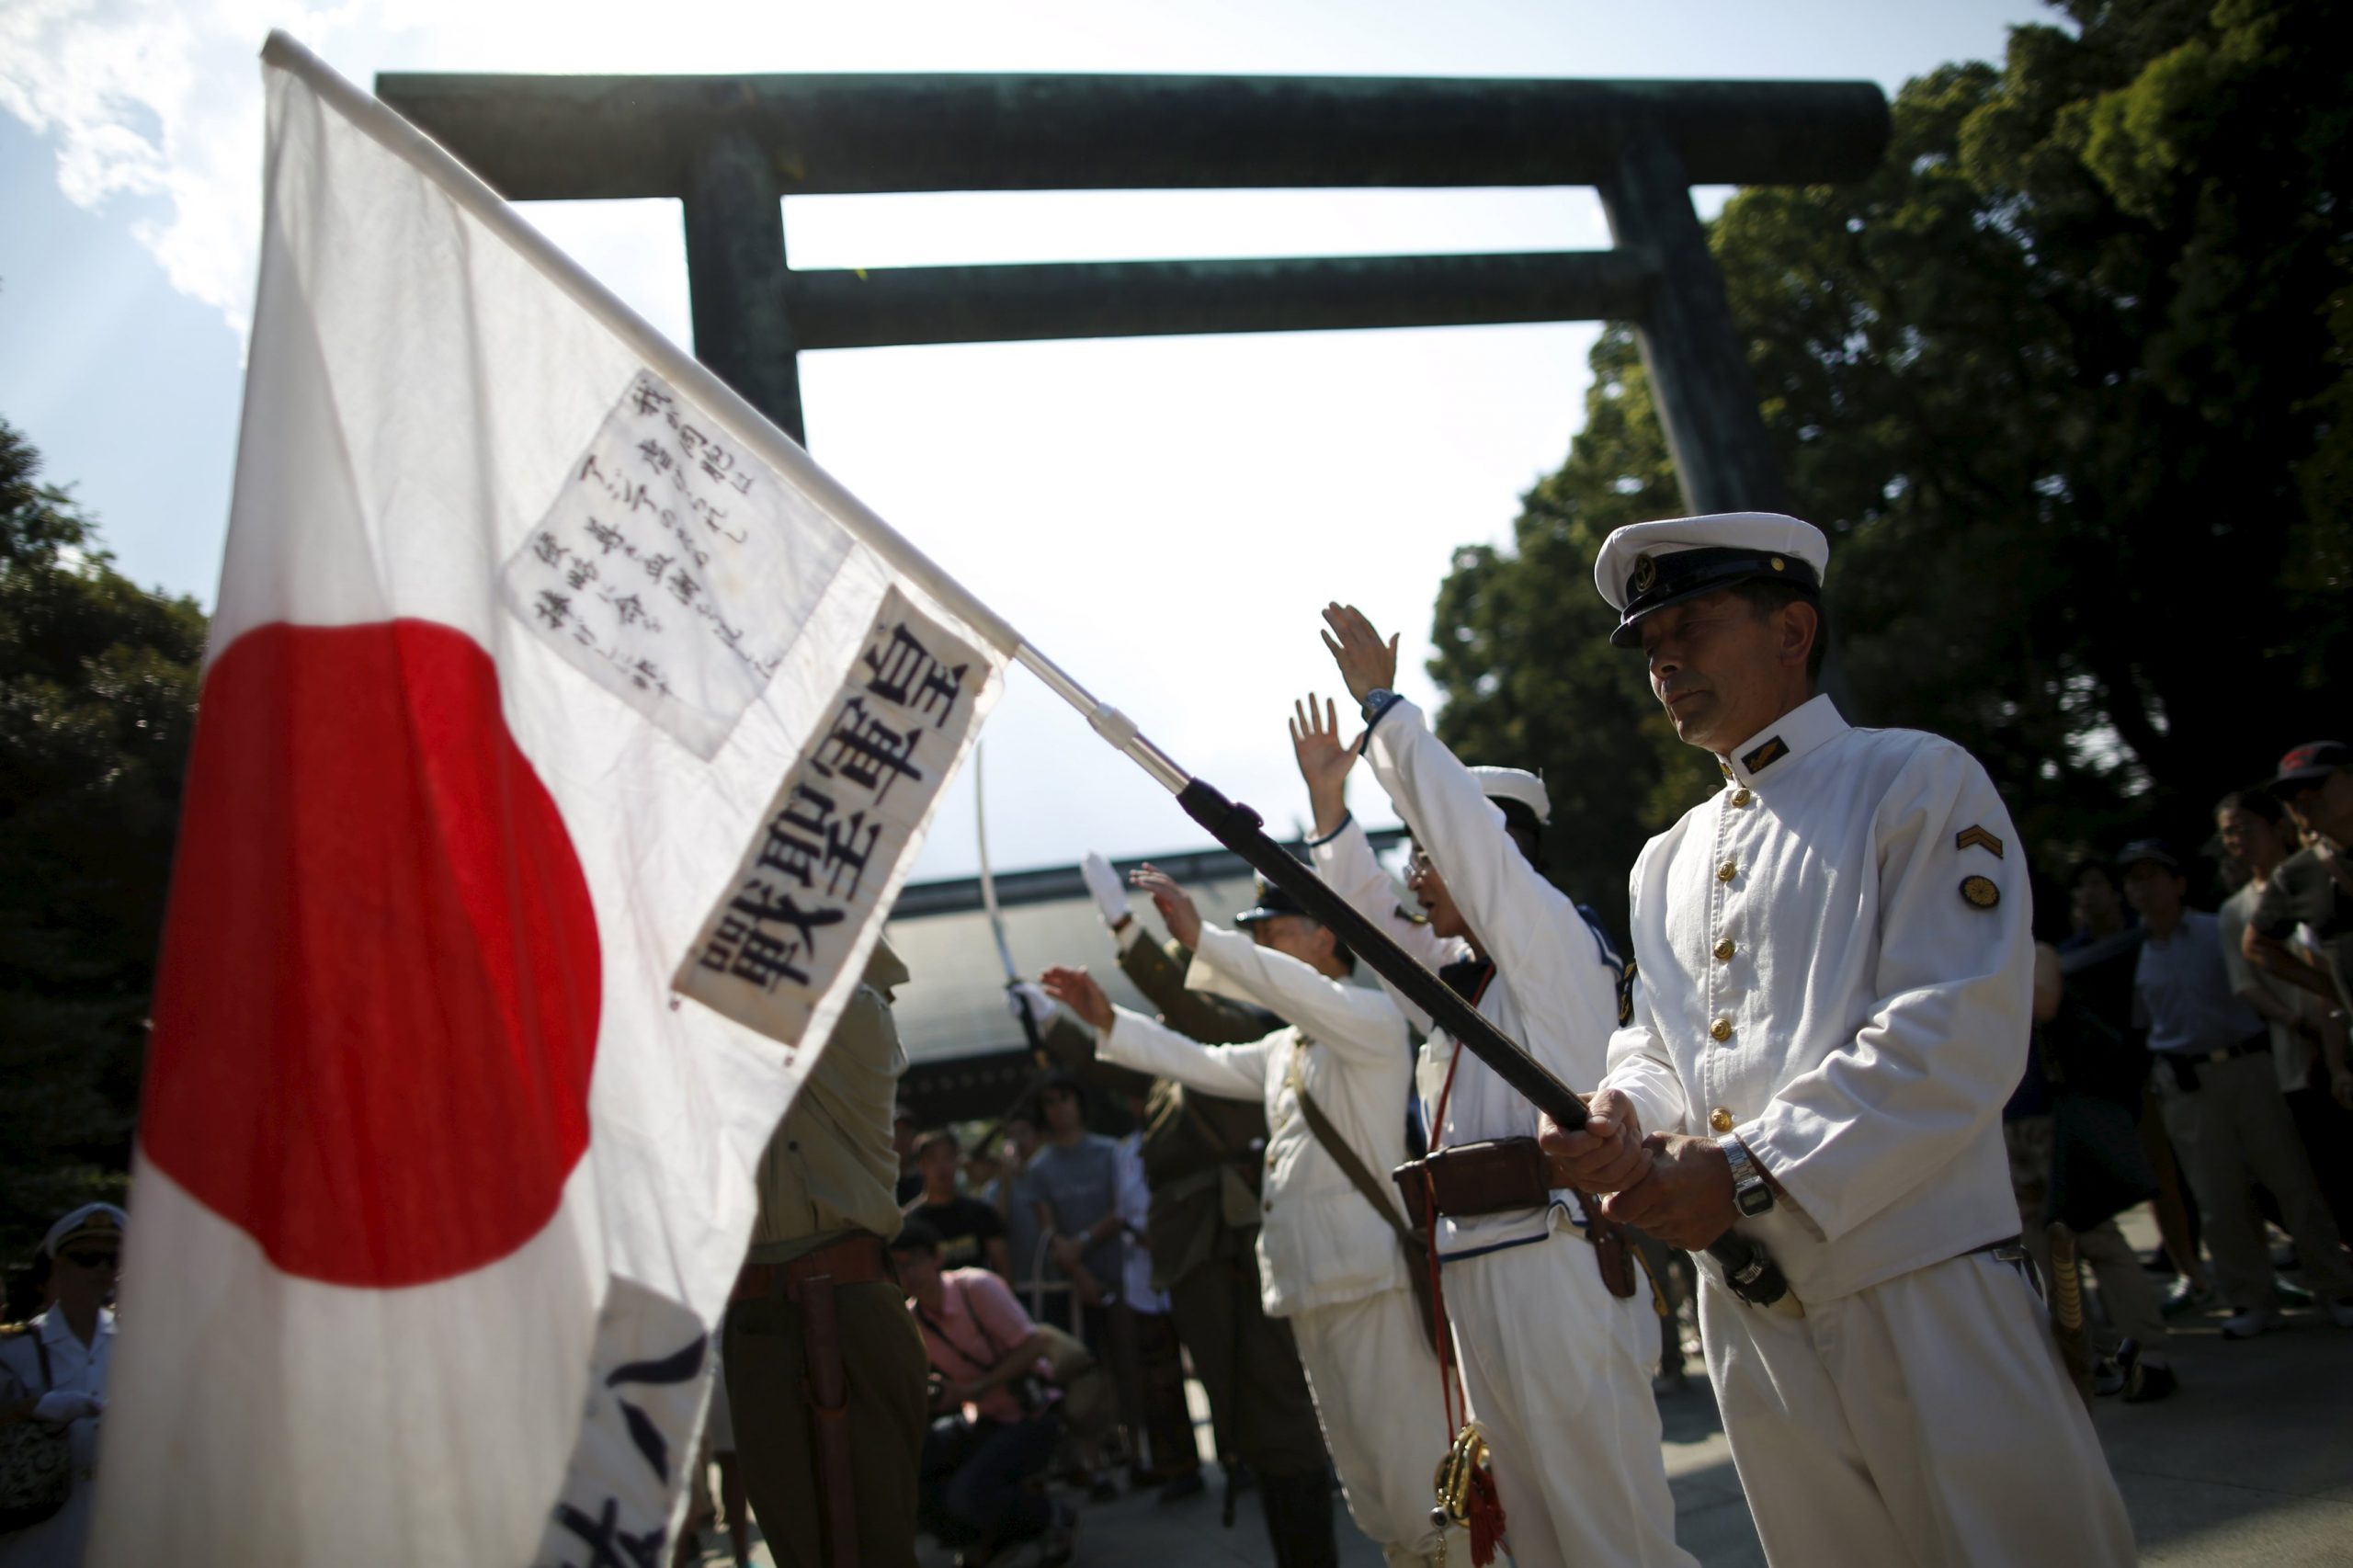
(827, 1176)
(1202, 1157)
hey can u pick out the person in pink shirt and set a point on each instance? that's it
(996, 1424)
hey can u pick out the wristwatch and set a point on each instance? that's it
(1750, 1195)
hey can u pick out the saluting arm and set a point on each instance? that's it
(1230, 1072)
(1073, 1044)
(1567, 991)
(1355, 1022)
(1160, 975)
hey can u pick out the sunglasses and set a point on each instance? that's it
(92, 1259)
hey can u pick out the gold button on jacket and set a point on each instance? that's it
(1742, 797)
(1727, 872)
(1720, 1029)
(1724, 950)
(1720, 1120)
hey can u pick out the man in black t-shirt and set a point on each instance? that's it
(971, 1233)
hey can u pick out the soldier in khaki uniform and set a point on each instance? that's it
(825, 1367)
(1204, 1160)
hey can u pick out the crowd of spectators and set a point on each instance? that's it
(1027, 1266)
(2190, 1050)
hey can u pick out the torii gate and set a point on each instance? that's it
(730, 149)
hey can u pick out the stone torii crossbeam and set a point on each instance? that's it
(729, 148)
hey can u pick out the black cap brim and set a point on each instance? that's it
(1708, 571)
(2288, 786)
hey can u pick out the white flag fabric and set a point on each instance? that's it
(540, 677)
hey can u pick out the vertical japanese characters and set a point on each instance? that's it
(849, 803)
(656, 569)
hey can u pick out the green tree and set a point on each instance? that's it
(2067, 381)
(98, 704)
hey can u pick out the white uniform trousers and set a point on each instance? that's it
(1558, 1372)
(1375, 1382)
(1926, 1420)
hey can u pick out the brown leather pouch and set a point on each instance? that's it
(1476, 1179)
(1609, 1249)
(1506, 1174)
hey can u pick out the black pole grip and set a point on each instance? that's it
(1752, 1274)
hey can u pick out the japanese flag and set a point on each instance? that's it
(564, 736)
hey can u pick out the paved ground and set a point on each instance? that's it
(2250, 1463)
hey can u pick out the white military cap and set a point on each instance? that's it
(1516, 784)
(100, 1220)
(1647, 566)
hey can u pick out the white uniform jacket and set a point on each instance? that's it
(1320, 1242)
(1836, 964)
(77, 1368)
(1555, 989)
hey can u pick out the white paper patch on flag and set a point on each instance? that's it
(853, 801)
(657, 571)
(441, 1190)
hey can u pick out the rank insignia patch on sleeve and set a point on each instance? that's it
(1980, 838)
(1981, 892)
(1626, 995)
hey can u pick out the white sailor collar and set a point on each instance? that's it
(56, 1330)
(1807, 727)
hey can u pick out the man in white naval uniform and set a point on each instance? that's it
(1330, 1262)
(1555, 1366)
(54, 1372)
(1836, 975)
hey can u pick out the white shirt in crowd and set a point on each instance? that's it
(1133, 1203)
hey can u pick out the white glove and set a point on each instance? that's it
(1029, 993)
(1110, 893)
(59, 1406)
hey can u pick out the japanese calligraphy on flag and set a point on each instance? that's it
(855, 796)
(526, 631)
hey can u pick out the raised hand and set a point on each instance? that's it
(1077, 989)
(1175, 905)
(1365, 662)
(1323, 759)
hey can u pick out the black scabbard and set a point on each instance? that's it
(1752, 1274)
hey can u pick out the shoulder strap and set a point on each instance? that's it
(1337, 1146)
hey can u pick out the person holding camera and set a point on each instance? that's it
(994, 1422)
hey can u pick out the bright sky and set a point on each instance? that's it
(1163, 517)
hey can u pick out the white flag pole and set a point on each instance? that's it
(726, 406)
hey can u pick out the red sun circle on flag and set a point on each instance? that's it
(376, 1014)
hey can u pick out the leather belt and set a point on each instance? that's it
(1490, 1177)
(2248, 1047)
(1503, 1174)
(857, 1260)
(810, 1281)
(2004, 1244)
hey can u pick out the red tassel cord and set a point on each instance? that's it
(1466, 1489)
